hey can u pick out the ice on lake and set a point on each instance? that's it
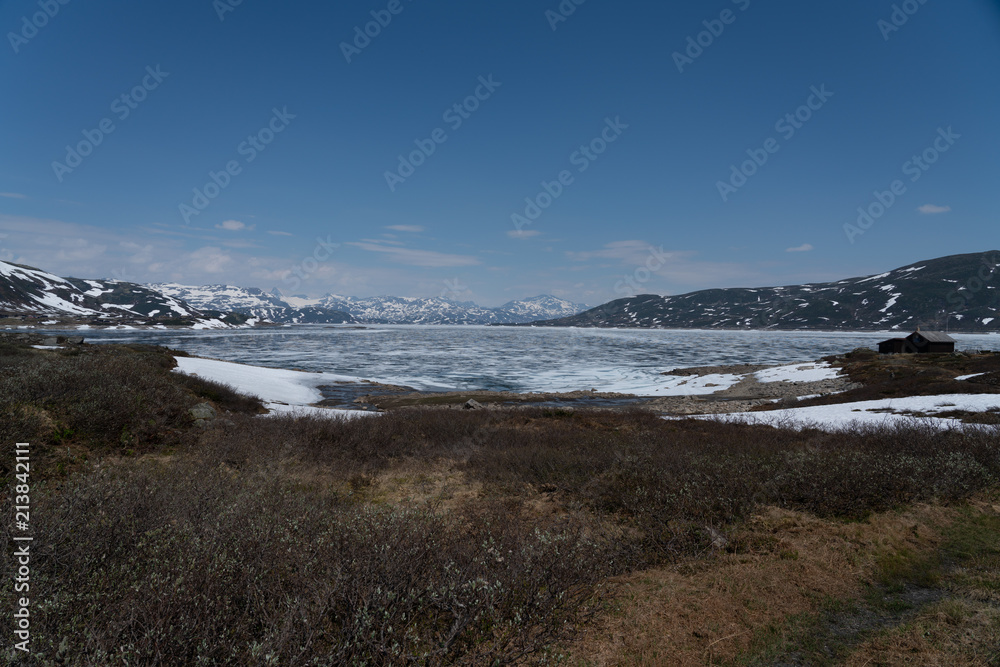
(523, 359)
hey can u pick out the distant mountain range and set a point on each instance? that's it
(275, 307)
(29, 292)
(959, 292)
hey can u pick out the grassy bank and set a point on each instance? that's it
(440, 536)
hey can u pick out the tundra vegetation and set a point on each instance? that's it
(437, 536)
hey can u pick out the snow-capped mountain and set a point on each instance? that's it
(373, 310)
(959, 292)
(541, 307)
(251, 302)
(435, 310)
(27, 291)
(219, 297)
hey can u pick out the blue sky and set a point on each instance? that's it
(611, 118)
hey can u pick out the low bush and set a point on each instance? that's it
(672, 484)
(223, 395)
(153, 564)
(108, 397)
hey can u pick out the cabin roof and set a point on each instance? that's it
(935, 336)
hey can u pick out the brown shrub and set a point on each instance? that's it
(671, 484)
(183, 564)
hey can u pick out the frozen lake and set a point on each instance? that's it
(520, 359)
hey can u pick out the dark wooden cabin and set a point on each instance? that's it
(919, 342)
(892, 346)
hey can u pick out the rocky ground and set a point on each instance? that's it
(865, 375)
(747, 394)
(407, 398)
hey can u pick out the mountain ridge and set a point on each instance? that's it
(958, 292)
(28, 291)
(276, 307)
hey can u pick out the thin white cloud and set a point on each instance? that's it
(13, 195)
(522, 233)
(141, 255)
(931, 209)
(628, 252)
(805, 247)
(274, 232)
(413, 229)
(234, 226)
(677, 270)
(413, 257)
(208, 260)
(386, 241)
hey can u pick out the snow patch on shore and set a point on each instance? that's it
(694, 385)
(886, 411)
(810, 372)
(282, 391)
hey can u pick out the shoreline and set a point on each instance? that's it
(768, 395)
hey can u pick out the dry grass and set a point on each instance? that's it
(784, 564)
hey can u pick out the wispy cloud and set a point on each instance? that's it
(209, 260)
(386, 241)
(522, 233)
(629, 252)
(805, 247)
(414, 257)
(931, 209)
(413, 229)
(13, 195)
(274, 232)
(234, 226)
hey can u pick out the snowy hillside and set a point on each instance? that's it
(251, 302)
(960, 292)
(27, 291)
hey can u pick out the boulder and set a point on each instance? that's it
(202, 411)
(472, 404)
(718, 540)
